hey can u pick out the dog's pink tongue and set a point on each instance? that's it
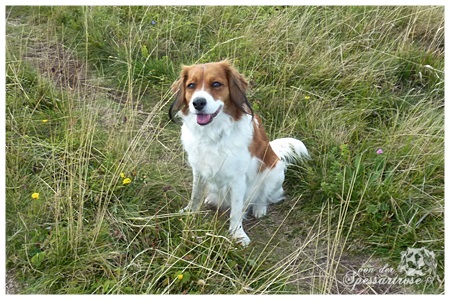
(203, 119)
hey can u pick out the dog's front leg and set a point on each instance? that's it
(237, 193)
(198, 187)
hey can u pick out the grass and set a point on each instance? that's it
(87, 95)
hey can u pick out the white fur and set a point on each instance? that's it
(288, 149)
(211, 104)
(222, 164)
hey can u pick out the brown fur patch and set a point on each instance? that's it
(260, 146)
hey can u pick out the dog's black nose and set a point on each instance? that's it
(199, 103)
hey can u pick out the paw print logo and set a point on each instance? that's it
(417, 262)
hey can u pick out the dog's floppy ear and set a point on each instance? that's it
(238, 89)
(178, 90)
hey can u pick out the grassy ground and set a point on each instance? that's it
(87, 95)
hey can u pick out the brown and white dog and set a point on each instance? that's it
(227, 147)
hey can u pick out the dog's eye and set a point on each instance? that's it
(191, 85)
(216, 84)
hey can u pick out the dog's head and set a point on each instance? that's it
(207, 90)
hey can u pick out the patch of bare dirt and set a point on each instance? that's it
(11, 284)
(320, 264)
(56, 63)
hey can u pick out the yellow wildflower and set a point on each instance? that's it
(122, 175)
(307, 97)
(180, 276)
(126, 181)
(44, 121)
(35, 196)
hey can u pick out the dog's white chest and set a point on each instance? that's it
(218, 157)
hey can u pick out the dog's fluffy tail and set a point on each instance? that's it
(289, 149)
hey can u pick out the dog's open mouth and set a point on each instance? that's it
(204, 119)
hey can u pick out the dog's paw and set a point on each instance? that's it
(259, 211)
(212, 201)
(187, 209)
(241, 238)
